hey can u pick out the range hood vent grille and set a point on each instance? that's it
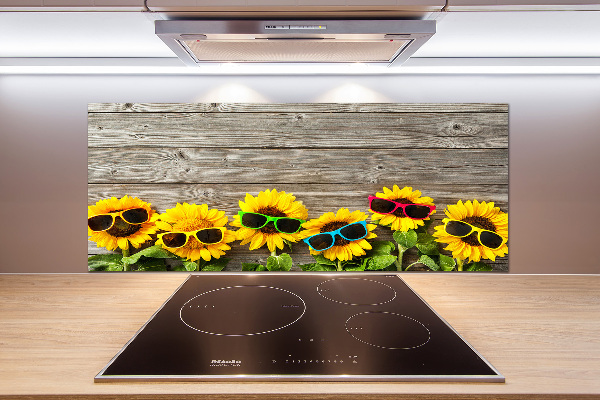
(295, 50)
(389, 42)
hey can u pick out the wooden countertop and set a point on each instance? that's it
(542, 332)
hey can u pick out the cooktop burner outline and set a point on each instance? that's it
(354, 335)
(181, 311)
(321, 292)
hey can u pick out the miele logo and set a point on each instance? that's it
(226, 363)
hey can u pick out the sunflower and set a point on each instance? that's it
(189, 218)
(121, 233)
(481, 215)
(342, 249)
(397, 220)
(273, 204)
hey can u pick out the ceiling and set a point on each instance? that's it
(459, 34)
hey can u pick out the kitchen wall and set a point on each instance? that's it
(554, 125)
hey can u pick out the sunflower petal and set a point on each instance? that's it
(205, 254)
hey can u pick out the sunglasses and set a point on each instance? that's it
(487, 238)
(326, 240)
(412, 211)
(204, 236)
(102, 222)
(282, 224)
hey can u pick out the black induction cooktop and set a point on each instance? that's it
(297, 326)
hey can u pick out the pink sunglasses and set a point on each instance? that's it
(412, 211)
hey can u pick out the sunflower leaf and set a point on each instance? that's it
(250, 266)
(150, 252)
(189, 266)
(351, 266)
(405, 240)
(447, 263)
(424, 228)
(478, 266)
(105, 262)
(380, 262)
(381, 247)
(217, 264)
(281, 262)
(314, 267)
(424, 238)
(429, 262)
(320, 259)
(115, 267)
(431, 249)
(151, 264)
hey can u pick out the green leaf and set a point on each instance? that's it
(320, 259)
(281, 262)
(316, 267)
(381, 247)
(179, 268)
(380, 262)
(478, 266)
(151, 264)
(216, 264)
(150, 252)
(105, 262)
(261, 268)
(424, 228)
(430, 249)
(447, 263)
(250, 266)
(407, 239)
(308, 267)
(424, 238)
(114, 267)
(189, 266)
(429, 262)
(351, 266)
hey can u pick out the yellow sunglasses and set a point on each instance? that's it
(487, 238)
(133, 216)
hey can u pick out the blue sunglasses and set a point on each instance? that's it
(326, 240)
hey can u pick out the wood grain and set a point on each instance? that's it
(296, 107)
(298, 129)
(318, 198)
(276, 166)
(540, 331)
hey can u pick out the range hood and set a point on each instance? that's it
(388, 42)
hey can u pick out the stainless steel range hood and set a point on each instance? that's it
(388, 42)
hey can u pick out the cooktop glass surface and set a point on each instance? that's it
(338, 327)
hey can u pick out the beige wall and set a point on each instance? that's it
(554, 141)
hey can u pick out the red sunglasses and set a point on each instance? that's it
(412, 211)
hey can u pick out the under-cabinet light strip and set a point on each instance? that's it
(414, 66)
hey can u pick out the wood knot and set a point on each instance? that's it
(128, 106)
(456, 127)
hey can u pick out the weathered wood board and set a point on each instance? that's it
(328, 155)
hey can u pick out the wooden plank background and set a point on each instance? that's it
(327, 155)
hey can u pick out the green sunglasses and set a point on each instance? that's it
(282, 224)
